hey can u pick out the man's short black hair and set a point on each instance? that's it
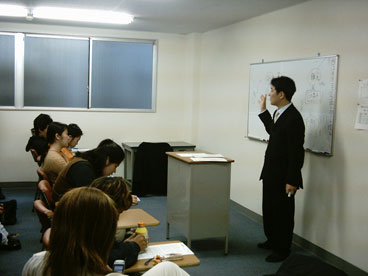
(74, 130)
(41, 122)
(284, 84)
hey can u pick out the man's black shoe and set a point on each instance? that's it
(264, 245)
(276, 257)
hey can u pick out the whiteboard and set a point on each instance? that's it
(315, 97)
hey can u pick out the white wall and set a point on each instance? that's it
(170, 122)
(331, 211)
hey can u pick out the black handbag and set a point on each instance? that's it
(9, 217)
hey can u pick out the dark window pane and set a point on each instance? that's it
(55, 72)
(122, 75)
(6, 70)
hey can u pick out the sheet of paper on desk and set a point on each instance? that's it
(203, 159)
(200, 155)
(79, 149)
(163, 249)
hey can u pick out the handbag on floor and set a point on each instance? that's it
(10, 212)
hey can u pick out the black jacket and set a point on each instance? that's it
(127, 251)
(39, 144)
(284, 156)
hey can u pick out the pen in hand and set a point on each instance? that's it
(147, 262)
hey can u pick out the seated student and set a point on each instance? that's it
(82, 248)
(107, 142)
(118, 190)
(55, 161)
(75, 134)
(87, 166)
(38, 140)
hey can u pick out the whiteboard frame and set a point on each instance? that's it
(334, 107)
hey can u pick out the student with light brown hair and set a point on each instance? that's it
(128, 250)
(82, 235)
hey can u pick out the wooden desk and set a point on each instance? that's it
(198, 198)
(131, 148)
(189, 260)
(131, 217)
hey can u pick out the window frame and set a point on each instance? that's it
(19, 43)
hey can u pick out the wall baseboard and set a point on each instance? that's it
(24, 184)
(321, 253)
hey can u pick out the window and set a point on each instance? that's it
(121, 74)
(7, 65)
(55, 72)
(74, 72)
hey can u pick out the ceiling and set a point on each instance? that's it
(168, 16)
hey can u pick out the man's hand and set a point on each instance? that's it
(262, 102)
(290, 189)
(138, 239)
(2, 209)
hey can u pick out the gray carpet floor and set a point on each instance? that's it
(244, 257)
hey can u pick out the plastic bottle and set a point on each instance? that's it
(142, 230)
(119, 266)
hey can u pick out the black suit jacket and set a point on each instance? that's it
(284, 156)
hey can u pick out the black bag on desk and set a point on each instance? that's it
(10, 212)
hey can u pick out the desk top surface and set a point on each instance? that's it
(174, 144)
(189, 260)
(131, 217)
(190, 161)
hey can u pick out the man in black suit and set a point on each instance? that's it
(281, 173)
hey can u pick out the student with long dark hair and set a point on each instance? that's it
(75, 134)
(87, 166)
(82, 235)
(38, 140)
(55, 161)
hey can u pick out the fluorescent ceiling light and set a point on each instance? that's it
(13, 10)
(96, 16)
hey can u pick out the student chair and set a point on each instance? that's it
(41, 176)
(150, 169)
(44, 206)
(41, 211)
(46, 194)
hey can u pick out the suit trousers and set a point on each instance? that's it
(278, 216)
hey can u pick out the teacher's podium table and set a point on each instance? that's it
(198, 195)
